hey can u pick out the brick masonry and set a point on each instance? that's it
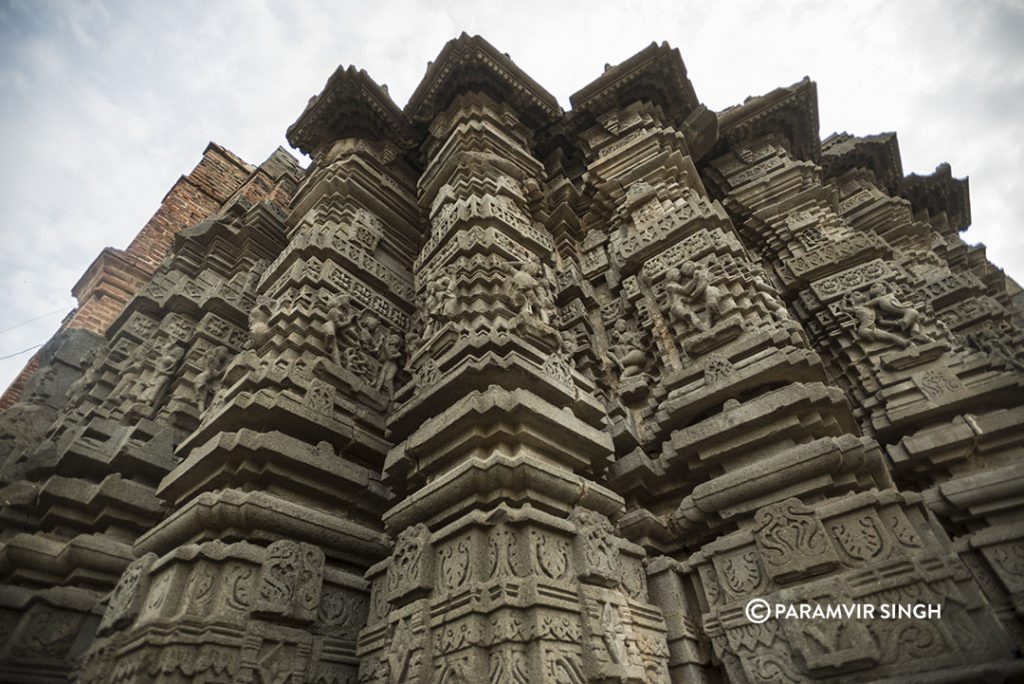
(116, 275)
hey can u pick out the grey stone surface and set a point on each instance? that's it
(497, 392)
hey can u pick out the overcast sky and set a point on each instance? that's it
(105, 104)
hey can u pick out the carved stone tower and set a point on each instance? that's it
(498, 392)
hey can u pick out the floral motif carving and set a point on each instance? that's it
(411, 562)
(290, 580)
(126, 600)
(596, 548)
(792, 541)
(861, 538)
(503, 553)
(552, 556)
(454, 562)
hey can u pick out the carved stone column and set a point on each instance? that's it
(80, 485)
(495, 391)
(853, 272)
(505, 565)
(277, 498)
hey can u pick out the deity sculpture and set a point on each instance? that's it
(439, 302)
(885, 301)
(390, 353)
(205, 381)
(154, 382)
(259, 322)
(769, 296)
(627, 351)
(414, 335)
(370, 341)
(863, 310)
(680, 295)
(131, 373)
(92, 364)
(527, 288)
(340, 317)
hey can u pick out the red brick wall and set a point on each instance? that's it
(13, 392)
(115, 276)
(194, 197)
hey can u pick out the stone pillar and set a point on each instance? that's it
(505, 563)
(44, 626)
(496, 391)
(853, 288)
(276, 498)
(81, 472)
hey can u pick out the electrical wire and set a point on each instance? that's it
(32, 320)
(11, 356)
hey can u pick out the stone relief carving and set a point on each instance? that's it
(792, 541)
(685, 287)
(992, 342)
(529, 291)
(341, 317)
(907, 319)
(440, 303)
(412, 562)
(152, 383)
(290, 581)
(869, 326)
(390, 355)
(206, 382)
(259, 322)
(125, 601)
(596, 548)
(664, 438)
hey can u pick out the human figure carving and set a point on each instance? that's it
(627, 351)
(527, 288)
(131, 375)
(446, 289)
(863, 311)
(370, 334)
(546, 301)
(702, 288)
(259, 322)
(362, 347)
(680, 295)
(205, 381)
(414, 335)
(390, 353)
(884, 300)
(156, 381)
(439, 302)
(769, 296)
(80, 387)
(340, 316)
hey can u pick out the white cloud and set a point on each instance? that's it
(106, 104)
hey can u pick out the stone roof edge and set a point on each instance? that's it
(801, 99)
(344, 81)
(423, 104)
(617, 77)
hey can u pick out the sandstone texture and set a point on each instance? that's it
(496, 392)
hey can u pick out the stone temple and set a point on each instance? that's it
(496, 392)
